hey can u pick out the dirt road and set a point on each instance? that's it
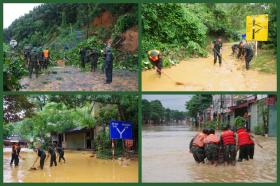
(200, 74)
(73, 79)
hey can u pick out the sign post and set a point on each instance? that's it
(257, 29)
(119, 130)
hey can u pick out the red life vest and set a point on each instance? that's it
(228, 137)
(251, 141)
(243, 137)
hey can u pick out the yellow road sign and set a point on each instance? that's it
(257, 27)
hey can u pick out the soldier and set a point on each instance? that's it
(40, 155)
(40, 58)
(52, 155)
(46, 57)
(93, 58)
(240, 50)
(211, 147)
(229, 142)
(217, 46)
(83, 56)
(26, 53)
(15, 155)
(108, 55)
(248, 54)
(33, 62)
(155, 58)
(197, 146)
(60, 152)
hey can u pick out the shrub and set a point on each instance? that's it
(239, 122)
(259, 130)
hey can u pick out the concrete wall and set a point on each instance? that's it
(75, 141)
(254, 116)
(272, 120)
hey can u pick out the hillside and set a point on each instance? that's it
(66, 27)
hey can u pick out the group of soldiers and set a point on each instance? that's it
(36, 59)
(223, 149)
(92, 55)
(243, 50)
(54, 150)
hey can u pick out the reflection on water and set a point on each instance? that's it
(79, 167)
(165, 158)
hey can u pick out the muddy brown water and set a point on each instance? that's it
(166, 158)
(79, 167)
(199, 74)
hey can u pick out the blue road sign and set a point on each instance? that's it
(243, 36)
(120, 130)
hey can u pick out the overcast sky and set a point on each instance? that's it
(12, 11)
(176, 102)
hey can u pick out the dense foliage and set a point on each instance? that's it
(154, 113)
(186, 30)
(197, 104)
(13, 69)
(34, 117)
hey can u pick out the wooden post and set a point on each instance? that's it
(256, 45)
(113, 149)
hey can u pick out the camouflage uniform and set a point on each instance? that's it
(211, 151)
(230, 152)
(33, 62)
(93, 58)
(108, 55)
(249, 54)
(83, 52)
(40, 58)
(198, 154)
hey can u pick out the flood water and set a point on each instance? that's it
(199, 74)
(166, 158)
(79, 167)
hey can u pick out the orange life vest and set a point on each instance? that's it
(199, 140)
(46, 53)
(153, 58)
(211, 138)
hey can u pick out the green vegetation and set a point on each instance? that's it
(154, 113)
(34, 118)
(259, 130)
(265, 61)
(186, 30)
(198, 104)
(239, 122)
(13, 69)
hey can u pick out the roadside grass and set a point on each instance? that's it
(265, 61)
